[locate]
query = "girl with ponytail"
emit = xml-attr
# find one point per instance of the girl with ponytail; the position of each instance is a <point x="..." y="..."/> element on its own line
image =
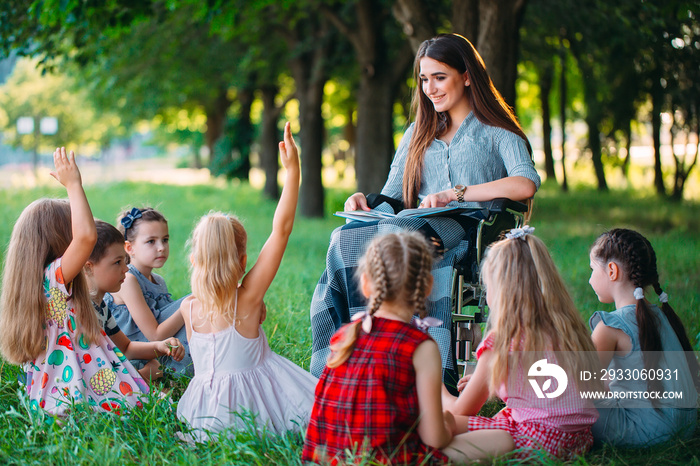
<point x="640" y="338"/>
<point x="379" y="394"/>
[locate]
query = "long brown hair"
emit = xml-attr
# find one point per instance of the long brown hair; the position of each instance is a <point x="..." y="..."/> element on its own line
<point x="637" y="259"/>
<point x="486" y="102"/>
<point x="531" y="308"/>
<point x="398" y="266"/>
<point x="40" y="236"/>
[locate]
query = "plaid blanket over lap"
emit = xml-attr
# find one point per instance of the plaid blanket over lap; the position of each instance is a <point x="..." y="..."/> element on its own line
<point x="337" y="296"/>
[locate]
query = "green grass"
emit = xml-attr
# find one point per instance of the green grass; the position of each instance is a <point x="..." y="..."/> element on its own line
<point x="568" y="223"/>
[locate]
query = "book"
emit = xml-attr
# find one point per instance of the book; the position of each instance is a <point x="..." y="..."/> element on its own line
<point x="374" y="215"/>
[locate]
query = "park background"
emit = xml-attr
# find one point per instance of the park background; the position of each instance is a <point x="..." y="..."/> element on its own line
<point x="179" y="105"/>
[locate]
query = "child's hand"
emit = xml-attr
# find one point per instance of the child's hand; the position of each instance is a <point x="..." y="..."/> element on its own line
<point x="172" y="347"/>
<point x="67" y="172"/>
<point x="289" y="154"/>
<point x="463" y="382"/>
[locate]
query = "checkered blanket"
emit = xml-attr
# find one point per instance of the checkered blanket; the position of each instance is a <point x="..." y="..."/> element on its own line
<point x="337" y="296"/>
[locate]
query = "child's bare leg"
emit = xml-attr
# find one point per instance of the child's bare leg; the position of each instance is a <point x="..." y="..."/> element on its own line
<point x="479" y="444"/>
<point x="151" y="371"/>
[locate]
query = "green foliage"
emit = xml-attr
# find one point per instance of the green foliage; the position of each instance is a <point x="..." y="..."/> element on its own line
<point x="30" y="93"/>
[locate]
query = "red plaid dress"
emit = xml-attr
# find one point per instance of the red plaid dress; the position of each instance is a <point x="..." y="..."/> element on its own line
<point x="369" y="404"/>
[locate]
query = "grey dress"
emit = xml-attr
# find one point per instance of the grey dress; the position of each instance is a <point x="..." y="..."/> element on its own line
<point x="162" y="305"/>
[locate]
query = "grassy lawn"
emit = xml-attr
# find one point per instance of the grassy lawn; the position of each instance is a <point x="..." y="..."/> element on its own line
<point x="568" y="223"/>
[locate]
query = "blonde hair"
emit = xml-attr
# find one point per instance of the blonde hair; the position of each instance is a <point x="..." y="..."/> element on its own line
<point x="530" y="308"/>
<point x="398" y="265"/>
<point x="40" y="236"/>
<point x="218" y="244"/>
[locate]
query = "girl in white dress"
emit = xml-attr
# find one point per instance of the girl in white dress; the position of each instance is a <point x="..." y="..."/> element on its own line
<point x="235" y="369"/>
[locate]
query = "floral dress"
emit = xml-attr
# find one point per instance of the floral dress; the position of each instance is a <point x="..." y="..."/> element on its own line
<point x="70" y="370"/>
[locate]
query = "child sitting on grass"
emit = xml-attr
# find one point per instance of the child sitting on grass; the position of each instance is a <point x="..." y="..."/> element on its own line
<point x="234" y="368"/>
<point x="47" y="319"/>
<point x="639" y="338"/>
<point x="143" y="307"/>
<point x="533" y="328"/>
<point x="106" y="270"/>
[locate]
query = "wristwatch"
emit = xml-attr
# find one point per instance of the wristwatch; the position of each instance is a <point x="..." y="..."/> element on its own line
<point x="459" y="190"/>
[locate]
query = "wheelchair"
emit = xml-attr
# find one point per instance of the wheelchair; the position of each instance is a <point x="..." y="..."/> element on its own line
<point x="468" y="297"/>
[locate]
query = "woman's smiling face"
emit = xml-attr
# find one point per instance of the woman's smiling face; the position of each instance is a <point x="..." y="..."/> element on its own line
<point x="444" y="85"/>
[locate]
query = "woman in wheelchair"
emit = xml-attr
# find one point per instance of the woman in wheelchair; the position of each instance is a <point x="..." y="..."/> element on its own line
<point x="465" y="147"/>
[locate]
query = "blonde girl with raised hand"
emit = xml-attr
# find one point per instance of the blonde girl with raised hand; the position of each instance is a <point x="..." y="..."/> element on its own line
<point x="236" y="372"/>
<point x="379" y="394"/>
<point x="533" y="326"/>
<point x="49" y="325"/>
<point x="643" y="347"/>
<point x="143" y="308"/>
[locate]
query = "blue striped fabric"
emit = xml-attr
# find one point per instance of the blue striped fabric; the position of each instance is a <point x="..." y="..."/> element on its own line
<point x="477" y="154"/>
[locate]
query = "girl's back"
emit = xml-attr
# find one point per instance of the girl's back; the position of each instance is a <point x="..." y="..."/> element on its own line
<point x="373" y="394"/>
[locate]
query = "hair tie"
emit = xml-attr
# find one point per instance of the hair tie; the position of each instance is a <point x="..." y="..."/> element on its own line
<point x="520" y="232"/>
<point x="366" y="320"/>
<point x="129" y="219"/>
<point x="425" y="324"/>
<point x="639" y="293"/>
<point x="663" y="297"/>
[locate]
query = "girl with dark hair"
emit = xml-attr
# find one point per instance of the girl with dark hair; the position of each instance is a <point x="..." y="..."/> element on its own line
<point x="465" y="147"/>
<point x="639" y="338"/>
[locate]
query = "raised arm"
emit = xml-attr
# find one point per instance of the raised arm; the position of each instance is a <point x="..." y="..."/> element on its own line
<point x="82" y="222"/>
<point x="258" y="280"/>
<point x="131" y="295"/>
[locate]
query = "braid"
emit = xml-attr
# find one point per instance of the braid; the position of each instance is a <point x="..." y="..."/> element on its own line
<point x="378" y="273"/>
<point x="422" y="270"/>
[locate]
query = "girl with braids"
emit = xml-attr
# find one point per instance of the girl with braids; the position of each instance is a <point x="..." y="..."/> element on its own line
<point x="533" y="326"/>
<point x="379" y="394"/>
<point x="464" y="147"/>
<point x="235" y="371"/>
<point x="639" y="337"/>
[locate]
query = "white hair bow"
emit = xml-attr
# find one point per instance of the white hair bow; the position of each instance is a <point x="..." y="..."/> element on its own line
<point x="520" y="232"/>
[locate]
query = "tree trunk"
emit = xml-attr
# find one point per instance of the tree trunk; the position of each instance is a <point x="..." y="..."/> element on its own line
<point x="268" y="144"/>
<point x="379" y="80"/>
<point x="546" y="78"/>
<point x="656" y="107"/>
<point x="308" y="70"/>
<point x="496" y="35"/>
<point x="416" y="20"/>
<point x="244" y="134"/>
<point x="562" y="112"/>
<point x="628" y="150"/>
<point x="216" y="117"/>
<point x="594" y="145"/>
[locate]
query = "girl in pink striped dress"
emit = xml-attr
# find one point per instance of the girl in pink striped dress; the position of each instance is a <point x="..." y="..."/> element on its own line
<point x="536" y="345"/>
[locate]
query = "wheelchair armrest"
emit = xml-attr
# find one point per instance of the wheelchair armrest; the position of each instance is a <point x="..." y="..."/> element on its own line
<point x="374" y="199"/>
<point x="502" y="204"/>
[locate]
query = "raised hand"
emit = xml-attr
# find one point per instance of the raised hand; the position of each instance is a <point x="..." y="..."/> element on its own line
<point x="67" y="172"/>
<point x="289" y="154"/>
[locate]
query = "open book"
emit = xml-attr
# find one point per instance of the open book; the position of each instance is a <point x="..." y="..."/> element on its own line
<point x="374" y="215"/>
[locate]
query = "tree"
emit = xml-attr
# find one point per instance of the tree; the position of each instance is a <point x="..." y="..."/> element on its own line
<point x="383" y="58"/>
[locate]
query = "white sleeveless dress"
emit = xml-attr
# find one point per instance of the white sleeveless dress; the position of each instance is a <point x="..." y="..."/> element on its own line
<point x="235" y="376"/>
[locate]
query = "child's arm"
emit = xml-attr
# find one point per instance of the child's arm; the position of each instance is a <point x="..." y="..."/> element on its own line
<point x="147" y="349"/>
<point x="132" y="296"/>
<point x="608" y="341"/>
<point x="259" y="278"/>
<point x="476" y="391"/>
<point x="82" y="222"/>
<point x="434" y="428"/>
